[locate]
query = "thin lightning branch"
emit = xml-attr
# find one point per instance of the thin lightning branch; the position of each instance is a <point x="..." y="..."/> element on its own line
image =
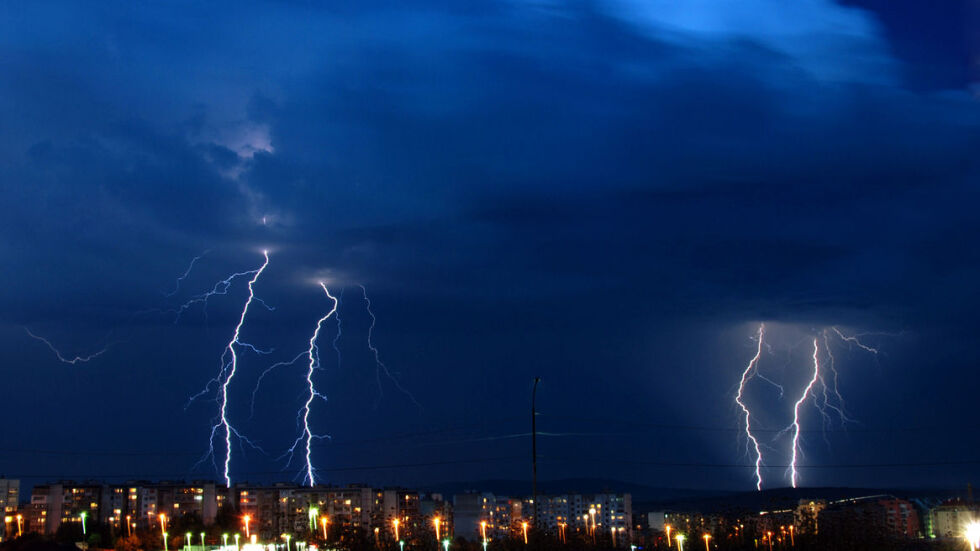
<point x="336" y="338"/>
<point x="268" y="370"/>
<point x="750" y="371"/>
<point x="219" y="288"/>
<point x="61" y="358"/>
<point x="380" y="366"/>
<point x="306" y="436"/>
<point x="186" y="273"/>
<point x="778" y="386"/>
<point x="796" y="411"/>
<point x="229" y="362"/>
<point x="854" y="340"/>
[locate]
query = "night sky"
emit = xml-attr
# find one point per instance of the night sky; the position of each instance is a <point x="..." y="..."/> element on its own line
<point x="608" y="194"/>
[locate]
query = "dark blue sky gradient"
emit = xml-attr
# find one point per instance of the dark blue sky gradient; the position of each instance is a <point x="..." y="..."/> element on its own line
<point x="607" y="194"/>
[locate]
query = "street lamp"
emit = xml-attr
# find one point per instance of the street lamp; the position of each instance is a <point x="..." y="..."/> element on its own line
<point x="324" y="521"/>
<point x="288" y="537"/>
<point x="163" y="522"/>
<point x="769" y="537"/>
<point x="20" y="525"/>
<point x="445" y="544"/>
<point x="188" y="539"/>
<point x="314" y="511"/>
<point x="792" y="539"/>
<point x="83" y="515"/>
<point x="483" y="530"/>
<point x="667" y="527"/>
<point x="973" y="535"/>
<point x="202" y="541"/>
<point x="437" y="521"/>
<point x="165" y="541"/>
<point x="129" y="526"/>
<point x="224" y="542"/>
<point x="524" y="529"/>
<point x="237" y="537"/>
<point x="394" y="523"/>
<point x="401" y="545"/>
<point x="680" y="542"/>
<point x="246" y="519"/>
<point x="377" y="537"/>
<point x="706" y="538"/>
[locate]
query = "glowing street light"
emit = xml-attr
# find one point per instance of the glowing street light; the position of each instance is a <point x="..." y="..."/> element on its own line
<point x="313" y="512"/>
<point x="394" y="524"/>
<point x="437" y="521"/>
<point x="680" y="542"/>
<point x="163" y="523"/>
<point x="973" y="535"/>
<point x="324" y="521"/>
<point x="20" y="525"/>
<point x="287" y="537"/>
<point x="246" y="519"/>
<point x="524" y="529"/>
<point x="237" y="537"/>
<point x="165" y="541"/>
<point x="188" y="539"/>
<point x="667" y="527"/>
<point x="769" y="537"/>
<point x="706" y="537"/>
<point x="445" y="544"/>
<point x="202" y="541"/>
<point x="224" y="542"/>
<point x="83" y="515"/>
<point x="377" y="537"/>
<point x="792" y="539"/>
<point x="483" y="530"/>
<point x="401" y="545"/>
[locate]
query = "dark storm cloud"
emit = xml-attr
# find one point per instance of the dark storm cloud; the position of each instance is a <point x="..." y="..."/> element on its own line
<point x="557" y="186"/>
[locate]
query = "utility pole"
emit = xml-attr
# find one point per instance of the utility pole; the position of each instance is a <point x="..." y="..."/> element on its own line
<point x="534" y="453"/>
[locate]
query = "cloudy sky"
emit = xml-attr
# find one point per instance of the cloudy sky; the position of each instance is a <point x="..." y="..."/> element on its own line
<point x="608" y="194"/>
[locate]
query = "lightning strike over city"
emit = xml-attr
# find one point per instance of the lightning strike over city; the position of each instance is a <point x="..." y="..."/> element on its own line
<point x="229" y="367"/>
<point x="646" y="275"/>
<point x="303" y="416"/>
<point x="750" y="371"/>
<point x="796" y="413"/>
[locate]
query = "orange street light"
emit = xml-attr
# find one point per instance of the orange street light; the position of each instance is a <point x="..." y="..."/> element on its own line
<point x="483" y="530"/>
<point x="667" y="527"/>
<point x="524" y="529"/>
<point x="437" y="521"/>
<point x="324" y="521"/>
<point x="246" y="519"/>
<point x="706" y="538"/>
<point x="792" y="539"/>
<point x="395" y="524"/>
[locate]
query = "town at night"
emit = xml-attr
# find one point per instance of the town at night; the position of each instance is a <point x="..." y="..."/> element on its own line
<point x="490" y="275"/>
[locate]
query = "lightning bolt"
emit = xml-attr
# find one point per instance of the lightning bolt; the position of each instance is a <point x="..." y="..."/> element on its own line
<point x="61" y="358"/>
<point x="380" y="366"/>
<point x="750" y="371"/>
<point x="186" y="273"/>
<point x="795" y="426"/>
<point x="229" y="366"/>
<point x="303" y="416"/>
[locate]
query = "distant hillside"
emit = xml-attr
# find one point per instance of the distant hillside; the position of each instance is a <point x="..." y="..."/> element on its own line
<point x="519" y="488"/>
<point x="775" y="499"/>
<point x="649" y="498"/>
